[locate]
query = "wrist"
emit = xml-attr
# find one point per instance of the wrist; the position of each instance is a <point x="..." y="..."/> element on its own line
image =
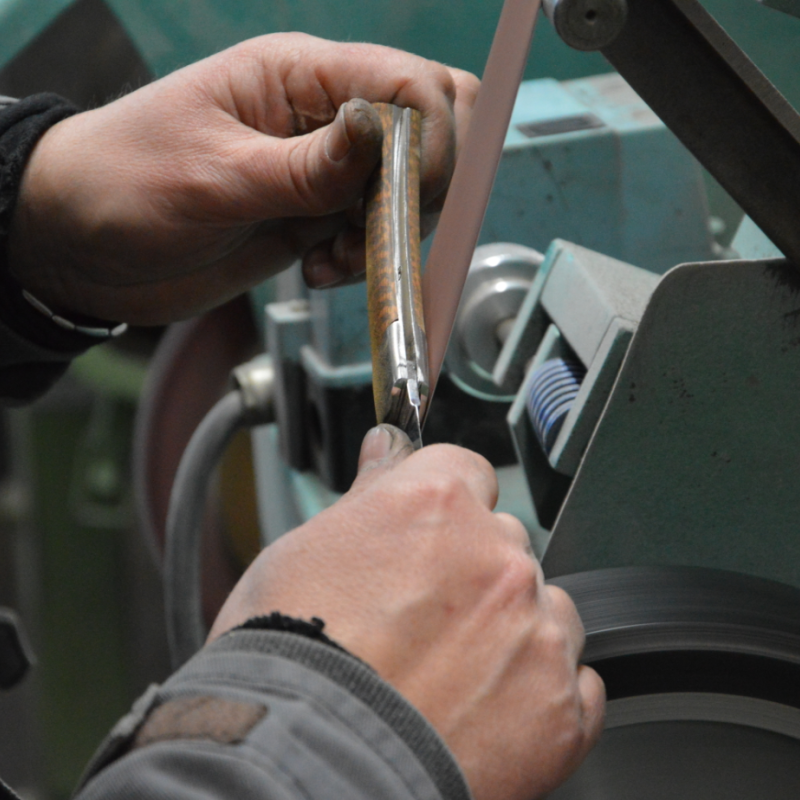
<point x="24" y="125"/>
<point x="275" y="621"/>
<point x="38" y="268"/>
<point x="37" y="258"/>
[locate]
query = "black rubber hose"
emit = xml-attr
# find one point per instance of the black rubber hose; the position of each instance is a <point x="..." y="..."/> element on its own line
<point x="186" y="630"/>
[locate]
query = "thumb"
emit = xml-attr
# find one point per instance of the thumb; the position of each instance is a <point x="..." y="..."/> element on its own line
<point x="383" y="448"/>
<point x="316" y="173"/>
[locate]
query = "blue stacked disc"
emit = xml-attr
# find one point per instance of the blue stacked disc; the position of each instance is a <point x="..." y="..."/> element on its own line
<point x="553" y="390"/>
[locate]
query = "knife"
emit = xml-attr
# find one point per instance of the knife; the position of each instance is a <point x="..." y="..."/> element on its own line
<point x="402" y="306"/>
<point x="394" y="294"/>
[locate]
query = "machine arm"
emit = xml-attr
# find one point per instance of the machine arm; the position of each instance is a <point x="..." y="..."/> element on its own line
<point x="716" y="101"/>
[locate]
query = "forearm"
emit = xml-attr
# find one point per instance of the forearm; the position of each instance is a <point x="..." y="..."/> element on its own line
<point x="298" y="719"/>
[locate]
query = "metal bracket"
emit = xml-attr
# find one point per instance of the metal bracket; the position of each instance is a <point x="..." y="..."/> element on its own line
<point x="716" y="101"/>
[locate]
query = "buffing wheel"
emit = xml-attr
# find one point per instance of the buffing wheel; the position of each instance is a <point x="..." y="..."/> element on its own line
<point x="702" y="670"/>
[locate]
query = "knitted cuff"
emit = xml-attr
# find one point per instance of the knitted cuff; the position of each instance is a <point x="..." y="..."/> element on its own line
<point x="22" y="125"/>
<point x="280" y="622"/>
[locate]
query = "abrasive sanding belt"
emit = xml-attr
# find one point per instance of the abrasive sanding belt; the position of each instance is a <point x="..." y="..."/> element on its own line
<point x="473" y="178"/>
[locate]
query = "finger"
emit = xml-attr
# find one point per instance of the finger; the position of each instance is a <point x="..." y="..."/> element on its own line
<point x="381" y="74"/>
<point x="318" y="173"/>
<point x="319" y="271"/>
<point x="383" y="448"/>
<point x="592" y="693"/>
<point x="271" y="247"/>
<point x="337" y="261"/>
<point x="295" y="83"/>
<point x="331" y="73"/>
<point x="515" y="531"/>
<point x="566" y="614"/>
<point x="342" y="261"/>
<point x="467" y="86"/>
<point x="470" y="468"/>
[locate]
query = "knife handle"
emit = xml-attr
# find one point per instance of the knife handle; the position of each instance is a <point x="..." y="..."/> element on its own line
<point x="392" y="205"/>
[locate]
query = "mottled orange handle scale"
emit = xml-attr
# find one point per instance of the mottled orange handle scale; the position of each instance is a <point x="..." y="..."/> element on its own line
<point x="381" y="286"/>
<point x="380" y="278"/>
<point x="414" y="213"/>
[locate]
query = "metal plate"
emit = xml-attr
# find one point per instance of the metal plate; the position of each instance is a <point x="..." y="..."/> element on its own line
<point x="693" y="460"/>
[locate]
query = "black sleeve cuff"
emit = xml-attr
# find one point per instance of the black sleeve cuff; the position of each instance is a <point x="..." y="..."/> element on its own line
<point x="311" y="629"/>
<point x="22" y="124"/>
<point x="34" y="351"/>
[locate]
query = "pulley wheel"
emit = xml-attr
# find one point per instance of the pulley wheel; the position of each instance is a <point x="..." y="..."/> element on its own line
<point x="702" y="670"/>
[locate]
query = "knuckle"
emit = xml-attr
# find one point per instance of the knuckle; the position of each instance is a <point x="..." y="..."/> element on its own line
<point x="559" y="597"/>
<point x="447" y="82"/>
<point x="466" y="83"/>
<point x="478" y="462"/>
<point x="561" y="601"/>
<point x="520" y="573"/>
<point x="472" y="89"/>
<point x="432" y="76"/>
<point x="514" y="528"/>
<point x="301" y="177"/>
<point x="569" y="736"/>
<point x="440" y="490"/>
<point x="596" y="690"/>
<point x="573" y="738"/>
<point x="554" y="640"/>
<point x="459" y="459"/>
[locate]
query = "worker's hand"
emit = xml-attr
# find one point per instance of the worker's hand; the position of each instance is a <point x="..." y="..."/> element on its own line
<point x="413" y="573"/>
<point x="198" y="186"/>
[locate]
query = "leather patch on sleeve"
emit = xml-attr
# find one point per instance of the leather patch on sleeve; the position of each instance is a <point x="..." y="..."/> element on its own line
<point x="209" y="718"/>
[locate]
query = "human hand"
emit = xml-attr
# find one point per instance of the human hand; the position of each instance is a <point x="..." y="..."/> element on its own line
<point x="413" y="573"/>
<point x="194" y="188"/>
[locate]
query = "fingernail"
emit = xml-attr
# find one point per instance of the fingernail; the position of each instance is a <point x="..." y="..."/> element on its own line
<point x="364" y="124"/>
<point x="381" y="442"/>
<point x="377" y="445"/>
<point x="321" y="276"/>
<point x="318" y="270"/>
<point x="337" y="143"/>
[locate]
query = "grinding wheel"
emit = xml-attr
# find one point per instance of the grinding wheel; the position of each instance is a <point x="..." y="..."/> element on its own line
<point x="702" y="670"/>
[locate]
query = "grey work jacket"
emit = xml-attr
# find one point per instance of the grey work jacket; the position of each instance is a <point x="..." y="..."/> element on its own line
<point x="273" y="715"/>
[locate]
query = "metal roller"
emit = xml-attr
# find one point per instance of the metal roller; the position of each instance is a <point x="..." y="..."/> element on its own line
<point x="702" y="670"/>
<point x="499" y="278"/>
<point x="587" y="24"/>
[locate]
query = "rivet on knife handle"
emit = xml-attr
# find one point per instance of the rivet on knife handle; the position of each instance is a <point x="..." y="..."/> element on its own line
<point x="397" y="333"/>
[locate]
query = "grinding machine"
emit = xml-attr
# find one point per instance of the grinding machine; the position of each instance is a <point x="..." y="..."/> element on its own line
<point x="632" y="381"/>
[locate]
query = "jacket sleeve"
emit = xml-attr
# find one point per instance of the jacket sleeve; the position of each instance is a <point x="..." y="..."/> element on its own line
<point x="273" y="715"/>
